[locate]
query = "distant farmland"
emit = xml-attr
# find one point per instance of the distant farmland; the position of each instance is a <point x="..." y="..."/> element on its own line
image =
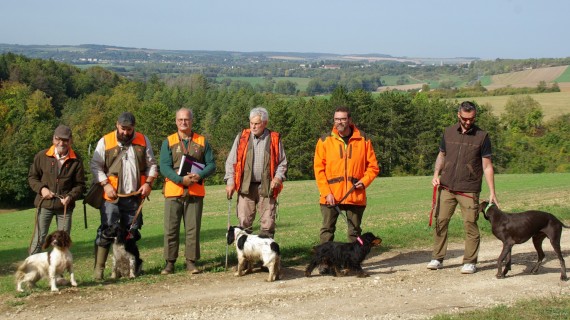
<point x="553" y="104"/>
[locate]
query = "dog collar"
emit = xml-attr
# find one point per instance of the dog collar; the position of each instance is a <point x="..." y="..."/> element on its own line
<point x="488" y="206"/>
<point x="359" y="241"/>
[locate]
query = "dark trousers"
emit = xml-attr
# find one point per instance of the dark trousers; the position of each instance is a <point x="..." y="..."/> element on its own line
<point x="330" y="216"/>
<point x="187" y="209"/>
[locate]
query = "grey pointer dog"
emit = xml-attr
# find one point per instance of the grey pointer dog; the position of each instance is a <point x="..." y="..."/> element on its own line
<point x="517" y="228"/>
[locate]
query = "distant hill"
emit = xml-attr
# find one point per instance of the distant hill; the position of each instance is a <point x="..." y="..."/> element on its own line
<point x="103" y="54"/>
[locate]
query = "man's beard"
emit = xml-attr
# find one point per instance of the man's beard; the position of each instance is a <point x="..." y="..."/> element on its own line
<point x="124" y="137"/>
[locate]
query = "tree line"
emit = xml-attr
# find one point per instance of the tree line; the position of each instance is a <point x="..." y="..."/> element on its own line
<point x="405" y="128"/>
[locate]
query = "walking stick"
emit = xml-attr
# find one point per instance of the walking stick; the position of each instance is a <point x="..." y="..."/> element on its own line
<point x="227" y="228"/>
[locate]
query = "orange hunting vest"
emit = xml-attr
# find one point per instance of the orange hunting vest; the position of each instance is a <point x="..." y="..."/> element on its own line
<point x="196" y="148"/>
<point x="112" y="150"/>
<point x="241" y="158"/>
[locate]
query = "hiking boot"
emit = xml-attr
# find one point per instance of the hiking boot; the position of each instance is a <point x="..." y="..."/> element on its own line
<point x="191" y="267"/>
<point x="101" y="254"/>
<point x="168" y="268"/>
<point x="469" y="268"/>
<point x="435" y="265"/>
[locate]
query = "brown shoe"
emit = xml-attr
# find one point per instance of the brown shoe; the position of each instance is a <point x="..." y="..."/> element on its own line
<point x="191" y="267"/>
<point x="168" y="269"/>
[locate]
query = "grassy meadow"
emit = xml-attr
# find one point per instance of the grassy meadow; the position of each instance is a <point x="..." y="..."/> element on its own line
<point x="397" y="211"/>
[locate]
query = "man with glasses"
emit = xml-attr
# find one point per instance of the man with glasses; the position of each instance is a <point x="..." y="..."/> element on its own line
<point x="345" y="165"/>
<point x="184" y="191"/>
<point x="58" y="178"/>
<point x="464" y="156"/>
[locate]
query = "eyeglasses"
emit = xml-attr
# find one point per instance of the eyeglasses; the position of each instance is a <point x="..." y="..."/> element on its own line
<point x="467" y="119"/>
<point x="340" y="119"/>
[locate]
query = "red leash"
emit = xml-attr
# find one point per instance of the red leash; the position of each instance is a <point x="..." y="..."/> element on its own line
<point x="433" y="203"/>
<point x="434" y="197"/>
<point x="456" y="192"/>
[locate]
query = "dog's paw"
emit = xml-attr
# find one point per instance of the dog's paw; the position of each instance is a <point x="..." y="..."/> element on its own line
<point x="54" y="290"/>
<point x="74" y="284"/>
<point x="564" y="278"/>
<point x="500" y="276"/>
<point x="362" y="275"/>
<point x="237" y="274"/>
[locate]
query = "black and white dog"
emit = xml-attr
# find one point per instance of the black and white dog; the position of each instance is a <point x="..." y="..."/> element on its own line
<point x="48" y="264"/>
<point x="126" y="256"/>
<point x="251" y="248"/>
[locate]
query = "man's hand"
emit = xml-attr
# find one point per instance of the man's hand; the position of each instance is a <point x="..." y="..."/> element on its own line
<point x="46" y="193"/>
<point x="275" y="183"/>
<point x="330" y="199"/>
<point x="359" y="185"/>
<point x="65" y="200"/>
<point x="110" y="191"/>
<point x="230" y="190"/>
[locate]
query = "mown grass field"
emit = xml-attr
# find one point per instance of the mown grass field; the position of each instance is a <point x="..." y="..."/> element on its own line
<point x="553" y="104"/>
<point x="397" y="210"/>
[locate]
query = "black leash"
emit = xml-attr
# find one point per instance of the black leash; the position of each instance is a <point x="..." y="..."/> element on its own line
<point x="337" y="208"/>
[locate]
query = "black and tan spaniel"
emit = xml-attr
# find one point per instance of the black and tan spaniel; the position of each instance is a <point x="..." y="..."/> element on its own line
<point x="341" y="258"/>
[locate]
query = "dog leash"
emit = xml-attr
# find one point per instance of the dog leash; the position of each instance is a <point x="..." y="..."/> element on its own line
<point x="456" y="192"/>
<point x="337" y="208"/>
<point x="433" y="198"/>
<point x="129" y="235"/>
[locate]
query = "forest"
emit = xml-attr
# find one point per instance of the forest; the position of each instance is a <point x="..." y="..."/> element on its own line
<point x="37" y="94"/>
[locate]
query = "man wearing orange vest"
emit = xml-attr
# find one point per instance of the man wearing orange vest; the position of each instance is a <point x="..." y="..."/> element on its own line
<point x="184" y="193"/>
<point x="345" y="165"/>
<point x="124" y="164"/>
<point x="58" y="178"/>
<point x="256" y="168"/>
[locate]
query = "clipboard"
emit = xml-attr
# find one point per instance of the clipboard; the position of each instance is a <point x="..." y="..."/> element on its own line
<point x="189" y="164"/>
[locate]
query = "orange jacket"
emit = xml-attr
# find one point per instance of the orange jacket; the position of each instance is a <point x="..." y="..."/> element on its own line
<point x="172" y="189"/>
<point x="338" y="166"/>
<point x="112" y="150"/>
<point x="241" y="156"/>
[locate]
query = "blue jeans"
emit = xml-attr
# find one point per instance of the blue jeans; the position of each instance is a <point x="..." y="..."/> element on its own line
<point x="44" y="220"/>
<point x="122" y="212"/>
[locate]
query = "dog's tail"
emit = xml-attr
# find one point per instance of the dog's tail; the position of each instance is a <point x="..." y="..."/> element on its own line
<point x="275" y="248"/>
<point x="20" y="272"/>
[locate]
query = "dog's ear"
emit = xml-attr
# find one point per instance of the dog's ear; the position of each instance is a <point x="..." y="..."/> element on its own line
<point x="47" y="242"/>
<point x="66" y="239"/>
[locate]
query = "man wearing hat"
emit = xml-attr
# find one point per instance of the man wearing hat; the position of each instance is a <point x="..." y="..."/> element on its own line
<point x="124" y="164"/>
<point x="58" y="178"/>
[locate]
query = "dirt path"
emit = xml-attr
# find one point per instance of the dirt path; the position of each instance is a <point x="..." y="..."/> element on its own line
<point x="400" y="287"/>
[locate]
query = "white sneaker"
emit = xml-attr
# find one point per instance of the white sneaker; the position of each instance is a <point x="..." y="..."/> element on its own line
<point x="435" y="265"/>
<point x="468" y="268"/>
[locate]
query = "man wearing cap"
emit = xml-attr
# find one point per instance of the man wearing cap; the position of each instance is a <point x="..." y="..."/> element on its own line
<point x="58" y="178"/>
<point x="124" y="164"/>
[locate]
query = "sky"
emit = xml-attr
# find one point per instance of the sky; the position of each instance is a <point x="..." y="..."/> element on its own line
<point x="486" y="29"/>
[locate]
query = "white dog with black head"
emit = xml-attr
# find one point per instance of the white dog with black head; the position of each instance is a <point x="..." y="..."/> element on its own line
<point x="252" y="248"/>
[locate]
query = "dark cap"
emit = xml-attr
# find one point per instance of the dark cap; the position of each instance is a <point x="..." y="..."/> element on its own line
<point x="63" y="132"/>
<point x="126" y="119"/>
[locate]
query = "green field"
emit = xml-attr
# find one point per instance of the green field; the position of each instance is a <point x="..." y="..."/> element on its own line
<point x="553" y="104"/>
<point x="564" y="77"/>
<point x="397" y="210"/>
